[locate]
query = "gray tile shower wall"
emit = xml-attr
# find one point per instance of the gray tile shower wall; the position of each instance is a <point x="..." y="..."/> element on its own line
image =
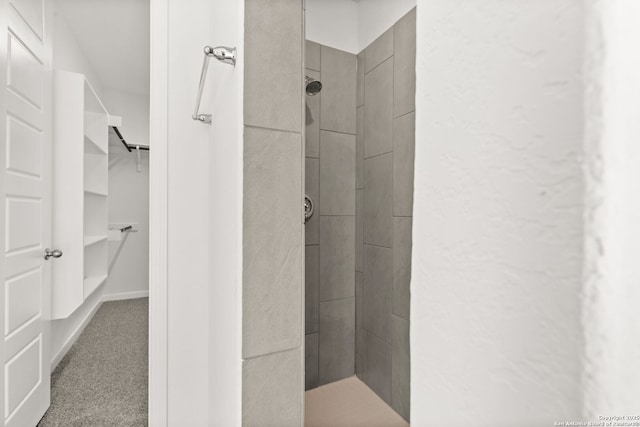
<point x="386" y="127"/>
<point x="336" y="339"/>
<point x="331" y="150"/>
<point x="337" y="257"/>
<point x="338" y="96"/>
<point x="272" y="345"/>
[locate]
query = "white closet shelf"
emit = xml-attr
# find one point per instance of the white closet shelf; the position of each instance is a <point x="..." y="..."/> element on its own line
<point x="94" y="189"/>
<point x="91" y="240"/>
<point x="91" y="147"/>
<point x="95" y="193"/>
<point x="91" y="283"/>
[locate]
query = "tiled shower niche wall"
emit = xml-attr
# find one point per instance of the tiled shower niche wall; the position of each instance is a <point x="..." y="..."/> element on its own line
<point x="360" y="139"/>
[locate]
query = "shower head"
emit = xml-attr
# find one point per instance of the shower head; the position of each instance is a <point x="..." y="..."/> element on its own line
<point x="313" y="86"/>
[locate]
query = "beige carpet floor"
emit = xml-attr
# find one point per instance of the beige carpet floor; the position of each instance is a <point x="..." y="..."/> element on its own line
<point x="102" y="380"/>
<point x="351" y="403"/>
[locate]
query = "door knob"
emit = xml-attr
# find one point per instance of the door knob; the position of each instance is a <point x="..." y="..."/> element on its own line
<point x="48" y="253"/>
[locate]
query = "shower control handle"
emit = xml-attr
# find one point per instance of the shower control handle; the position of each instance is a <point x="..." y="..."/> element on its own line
<point x="55" y="253"/>
<point x="308" y="208"/>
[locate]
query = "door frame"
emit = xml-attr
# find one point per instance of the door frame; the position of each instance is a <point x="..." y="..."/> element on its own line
<point x="158" y="208"/>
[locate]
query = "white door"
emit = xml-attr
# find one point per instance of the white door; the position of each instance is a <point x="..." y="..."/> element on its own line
<point x="25" y="187"/>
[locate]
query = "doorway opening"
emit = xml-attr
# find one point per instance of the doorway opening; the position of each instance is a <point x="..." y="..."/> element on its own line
<point x="99" y="342"/>
<point x="359" y="179"/>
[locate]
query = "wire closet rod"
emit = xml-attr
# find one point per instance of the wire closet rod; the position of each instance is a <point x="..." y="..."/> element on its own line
<point x="126" y="145"/>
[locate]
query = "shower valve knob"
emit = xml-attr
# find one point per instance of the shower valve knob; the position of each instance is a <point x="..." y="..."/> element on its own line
<point x="308" y="208"/>
<point x="55" y="253"/>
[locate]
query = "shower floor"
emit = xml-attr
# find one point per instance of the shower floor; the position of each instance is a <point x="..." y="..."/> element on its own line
<point x="348" y="402"/>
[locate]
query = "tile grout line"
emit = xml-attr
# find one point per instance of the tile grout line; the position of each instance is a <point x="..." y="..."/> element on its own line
<point x="271" y="353"/>
<point x="273" y="129"/>
<point x="380" y="154"/>
<point x="337" y="131"/>
<point x="337" y="299"/>
<point x="377" y="246"/>
<point x="377" y="65"/>
<point x="319" y="135"/>
<point x="403" y="114"/>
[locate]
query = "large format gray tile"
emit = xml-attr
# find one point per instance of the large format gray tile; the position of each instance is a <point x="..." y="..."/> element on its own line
<point x="312" y="55"/>
<point x="377" y="366"/>
<point x="312" y="189"/>
<point x="272" y="64"/>
<point x="338" y="104"/>
<point x="272" y="242"/>
<point x="312" y="121"/>
<point x="378" y="200"/>
<point x="360" y="147"/>
<point x="337" y="174"/>
<point x="359" y="313"/>
<point x="360" y="79"/>
<point x="403" y="161"/>
<point x="337" y="257"/>
<point x="401" y="266"/>
<point x="378" y="110"/>
<point x="337" y="340"/>
<point x="378" y="276"/>
<point x="311" y="361"/>
<point x="400" y="366"/>
<point x="359" y="230"/>
<point x="272" y="390"/>
<point x="379" y="50"/>
<point x="311" y="281"/>
<point x="404" y="63"/>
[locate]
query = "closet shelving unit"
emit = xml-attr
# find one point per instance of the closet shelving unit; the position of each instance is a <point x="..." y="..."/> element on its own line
<point x="80" y="192"/>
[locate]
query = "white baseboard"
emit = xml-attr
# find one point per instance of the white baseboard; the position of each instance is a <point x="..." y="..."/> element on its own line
<point x="76" y="333"/>
<point x="125" y="295"/>
<point x="74" y="336"/>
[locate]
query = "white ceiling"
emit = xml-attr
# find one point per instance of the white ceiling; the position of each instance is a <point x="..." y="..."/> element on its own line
<point x="351" y="25"/>
<point x="114" y="36"/>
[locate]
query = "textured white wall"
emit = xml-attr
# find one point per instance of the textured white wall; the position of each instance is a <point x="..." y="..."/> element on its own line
<point x="611" y="298"/>
<point x="497" y="240"/>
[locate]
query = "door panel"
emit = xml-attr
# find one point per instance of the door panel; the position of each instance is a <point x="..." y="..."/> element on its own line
<point x="23" y="223"/>
<point x="26" y="72"/>
<point x="24" y="148"/>
<point x="32" y="14"/>
<point x="22" y="300"/>
<point x="22" y="376"/>
<point x="26" y="220"/>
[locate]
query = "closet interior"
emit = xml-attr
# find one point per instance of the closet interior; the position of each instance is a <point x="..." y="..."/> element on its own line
<point x="100" y="212"/>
